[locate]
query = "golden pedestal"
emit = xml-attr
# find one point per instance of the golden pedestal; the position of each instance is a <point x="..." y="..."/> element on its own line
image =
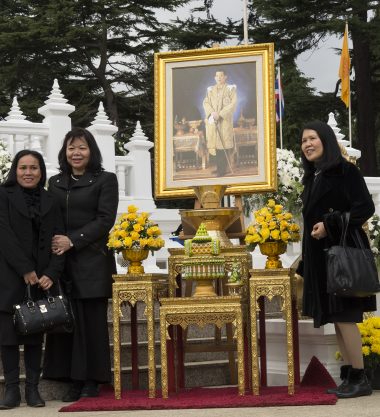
<point x="217" y="220"/>
<point x="270" y="283"/>
<point x="201" y="311"/>
<point x="130" y="289"/>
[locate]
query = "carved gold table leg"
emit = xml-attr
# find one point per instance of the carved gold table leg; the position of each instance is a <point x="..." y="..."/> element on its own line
<point x="151" y="359"/>
<point x="240" y="351"/>
<point x="164" y="356"/>
<point x="289" y="336"/>
<point x="116" y="343"/>
<point x="254" y="354"/>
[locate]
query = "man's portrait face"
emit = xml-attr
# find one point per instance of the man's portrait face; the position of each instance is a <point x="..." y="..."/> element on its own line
<point x="220" y="78"/>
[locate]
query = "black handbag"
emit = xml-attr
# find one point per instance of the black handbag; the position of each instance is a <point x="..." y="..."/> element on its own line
<point x="49" y="313"/>
<point x="351" y="271"/>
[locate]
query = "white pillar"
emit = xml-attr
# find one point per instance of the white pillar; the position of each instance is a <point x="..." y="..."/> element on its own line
<point x="56" y="111"/>
<point x="102" y="129"/>
<point x="17" y="119"/>
<point x="140" y="174"/>
<point x="352" y="152"/>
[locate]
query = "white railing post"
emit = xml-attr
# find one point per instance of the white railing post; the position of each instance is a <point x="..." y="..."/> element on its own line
<point x="56" y="111"/>
<point x="140" y="179"/>
<point x="102" y="129"/>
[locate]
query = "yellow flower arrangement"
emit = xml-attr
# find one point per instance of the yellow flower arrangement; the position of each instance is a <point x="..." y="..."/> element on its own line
<point x="272" y="224"/>
<point x="134" y="230"/>
<point x="370" y="334"/>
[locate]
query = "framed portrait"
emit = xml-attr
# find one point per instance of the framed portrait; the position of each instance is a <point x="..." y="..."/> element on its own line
<point x="215" y="120"/>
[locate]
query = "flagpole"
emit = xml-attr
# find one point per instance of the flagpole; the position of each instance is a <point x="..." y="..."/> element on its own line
<point x="280" y="101"/>
<point x="349" y="120"/>
<point x="245" y="21"/>
<point x="349" y="99"/>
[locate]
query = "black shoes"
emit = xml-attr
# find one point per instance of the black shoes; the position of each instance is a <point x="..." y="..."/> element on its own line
<point x="80" y="389"/>
<point x="32" y="396"/>
<point x="74" y="392"/>
<point x="357" y="385"/>
<point x="344" y="377"/>
<point x="90" y="389"/>
<point x="12" y="397"/>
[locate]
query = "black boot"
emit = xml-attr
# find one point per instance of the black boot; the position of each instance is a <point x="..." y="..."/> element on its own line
<point x="357" y="386"/>
<point x="343" y="376"/>
<point x="74" y="392"/>
<point x="90" y="389"/>
<point x="12" y="396"/>
<point x="32" y="396"/>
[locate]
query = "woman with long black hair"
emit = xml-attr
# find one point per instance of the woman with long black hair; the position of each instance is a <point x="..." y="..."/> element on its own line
<point x="333" y="186"/>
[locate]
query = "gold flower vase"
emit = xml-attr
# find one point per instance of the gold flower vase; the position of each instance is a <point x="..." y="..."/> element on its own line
<point x="273" y="250"/>
<point x="135" y="258"/>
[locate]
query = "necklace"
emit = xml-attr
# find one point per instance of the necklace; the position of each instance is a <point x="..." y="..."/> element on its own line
<point x="75" y="179"/>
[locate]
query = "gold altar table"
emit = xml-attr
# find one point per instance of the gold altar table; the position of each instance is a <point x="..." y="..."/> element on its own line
<point x="270" y="283"/>
<point x="231" y="255"/>
<point x="131" y="288"/>
<point x="201" y="311"/>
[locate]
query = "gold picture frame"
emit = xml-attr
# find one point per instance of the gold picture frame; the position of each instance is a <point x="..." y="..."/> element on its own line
<point x="215" y="120"/>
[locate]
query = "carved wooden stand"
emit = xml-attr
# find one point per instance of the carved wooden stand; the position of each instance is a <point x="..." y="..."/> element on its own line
<point x="130" y="289"/>
<point x="269" y="283"/>
<point x="201" y="311"/>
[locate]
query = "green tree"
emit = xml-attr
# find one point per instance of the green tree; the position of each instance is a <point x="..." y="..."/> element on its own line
<point x="98" y="50"/>
<point x="298" y="26"/>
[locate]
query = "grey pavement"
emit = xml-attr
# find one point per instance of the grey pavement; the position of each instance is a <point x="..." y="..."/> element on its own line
<point x="355" y="407"/>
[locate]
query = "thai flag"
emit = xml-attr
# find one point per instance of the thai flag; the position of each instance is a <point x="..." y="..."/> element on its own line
<point x="279" y="98"/>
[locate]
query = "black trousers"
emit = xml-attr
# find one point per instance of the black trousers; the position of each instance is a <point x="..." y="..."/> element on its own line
<point x="10" y="357"/>
<point x="85" y="354"/>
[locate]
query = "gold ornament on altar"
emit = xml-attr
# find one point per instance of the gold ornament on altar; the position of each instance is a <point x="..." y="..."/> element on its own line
<point x="134" y="234"/>
<point x="234" y="282"/>
<point x="272" y="229"/>
<point x="204" y="264"/>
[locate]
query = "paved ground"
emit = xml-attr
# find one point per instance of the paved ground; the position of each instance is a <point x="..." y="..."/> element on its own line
<point x="356" y="407"/>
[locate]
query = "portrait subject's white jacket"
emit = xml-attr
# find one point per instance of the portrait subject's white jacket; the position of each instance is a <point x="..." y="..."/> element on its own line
<point x="219" y="133"/>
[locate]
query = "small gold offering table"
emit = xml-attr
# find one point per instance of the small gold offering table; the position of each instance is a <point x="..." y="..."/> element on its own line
<point x="201" y="311"/>
<point x="234" y="254"/>
<point x="130" y="288"/>
<point x="270" y="283"/>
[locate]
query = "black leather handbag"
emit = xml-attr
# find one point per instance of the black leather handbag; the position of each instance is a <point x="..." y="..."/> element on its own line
<point x="351" y="271"/>
<point x="49" y="313"/>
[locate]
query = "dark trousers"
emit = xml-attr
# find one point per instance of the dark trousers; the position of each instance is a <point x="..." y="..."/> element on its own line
<point x="10" y="356"/>
<point x="85" y="354"/>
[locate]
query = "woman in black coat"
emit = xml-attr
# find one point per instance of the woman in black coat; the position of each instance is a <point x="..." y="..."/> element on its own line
<point x="29" y="218"/>
<point x="332" y="186"/>
<point x="88" y="197"/>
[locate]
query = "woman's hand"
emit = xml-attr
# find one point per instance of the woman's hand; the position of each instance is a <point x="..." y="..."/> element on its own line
<point x="45" y="282"/>
<point x="31" y="278"/>
<point x="60" y="244"/>
<point x="319" y="231"/>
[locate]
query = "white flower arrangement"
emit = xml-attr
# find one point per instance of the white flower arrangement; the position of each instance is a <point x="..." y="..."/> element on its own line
<point x="5" y="161"/>
<point x="289" y="180"/>
<point x="374" y="234"/>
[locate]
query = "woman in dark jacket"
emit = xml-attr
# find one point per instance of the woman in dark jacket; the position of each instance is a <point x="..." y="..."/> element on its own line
<point x="29" y="218"/>
<point x="333" y="186"/>
<point x="88" y="197"/>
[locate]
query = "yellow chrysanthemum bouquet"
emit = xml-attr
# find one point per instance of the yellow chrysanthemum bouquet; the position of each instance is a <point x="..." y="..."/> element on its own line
<point x="134" y="230"/>
<point x="272" y="224"/>
<point x="370" y="334"/>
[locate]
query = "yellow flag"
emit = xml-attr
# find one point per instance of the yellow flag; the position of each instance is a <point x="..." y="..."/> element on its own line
<point x="344" y="70"/>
